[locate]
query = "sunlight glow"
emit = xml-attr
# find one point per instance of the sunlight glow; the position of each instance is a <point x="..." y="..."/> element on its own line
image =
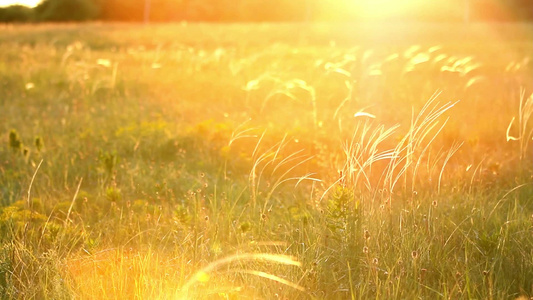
<point x="386" y="8"/>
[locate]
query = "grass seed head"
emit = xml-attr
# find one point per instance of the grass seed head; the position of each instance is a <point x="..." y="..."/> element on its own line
<point x="14" y="140"/>
<point x="39" y="144"/>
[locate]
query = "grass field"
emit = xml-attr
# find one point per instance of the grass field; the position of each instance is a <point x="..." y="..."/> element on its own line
<point x="291" y="161"/>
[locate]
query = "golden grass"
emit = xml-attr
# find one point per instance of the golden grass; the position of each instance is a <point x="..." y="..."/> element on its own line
<point x="265" y="161"/>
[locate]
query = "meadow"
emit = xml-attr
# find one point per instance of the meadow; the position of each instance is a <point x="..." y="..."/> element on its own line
<point x="266" y="161"/>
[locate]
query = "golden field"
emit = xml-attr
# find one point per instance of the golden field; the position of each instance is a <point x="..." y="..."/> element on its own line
<point x="251" y="161"/>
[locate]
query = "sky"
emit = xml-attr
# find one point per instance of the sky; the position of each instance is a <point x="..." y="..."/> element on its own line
<point x="30" y="3"/>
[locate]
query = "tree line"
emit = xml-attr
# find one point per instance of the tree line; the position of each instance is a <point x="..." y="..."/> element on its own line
<point x="258" y="11"/>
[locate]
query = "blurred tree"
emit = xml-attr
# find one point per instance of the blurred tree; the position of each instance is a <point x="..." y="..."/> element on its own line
<point x="165" y="10"/>
<point x="121" y="10"/>
<point x="501" y="10"/>
<point x="523" y="9"/>
<point x="66" y="10"/>
<point x="276" y="10"/>
<point x="134" y="10"/>
<point x="16" y="13"/>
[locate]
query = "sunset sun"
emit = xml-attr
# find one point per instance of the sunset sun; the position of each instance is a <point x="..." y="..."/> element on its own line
<point x="386" y="8"/>
<point x="391" y="10"/>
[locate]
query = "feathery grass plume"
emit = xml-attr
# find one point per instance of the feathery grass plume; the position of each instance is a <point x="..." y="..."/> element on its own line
<point x="67" y="218"/>
<point x="241" y="132"/>
<point x="106" y="82"/>
<point x="454" y="148"/>
<point x="273" y="159"/>
<point x="348" y="98"/>
<point x="288" y="88"/>
<point x="256" y="83"/>
<point x="205" y="274"/>
<point x="525" y="131"/>
<point x="362" y="152"/>
<point x="29" y="203"/>
<point x="412" y="148"/>
<point x="253" y="178"/>
<point x="401" y="162"/>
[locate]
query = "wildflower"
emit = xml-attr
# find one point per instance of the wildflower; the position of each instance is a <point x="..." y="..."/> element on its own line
<point x="365" y="250"/>
<point x="414" y="255"/>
